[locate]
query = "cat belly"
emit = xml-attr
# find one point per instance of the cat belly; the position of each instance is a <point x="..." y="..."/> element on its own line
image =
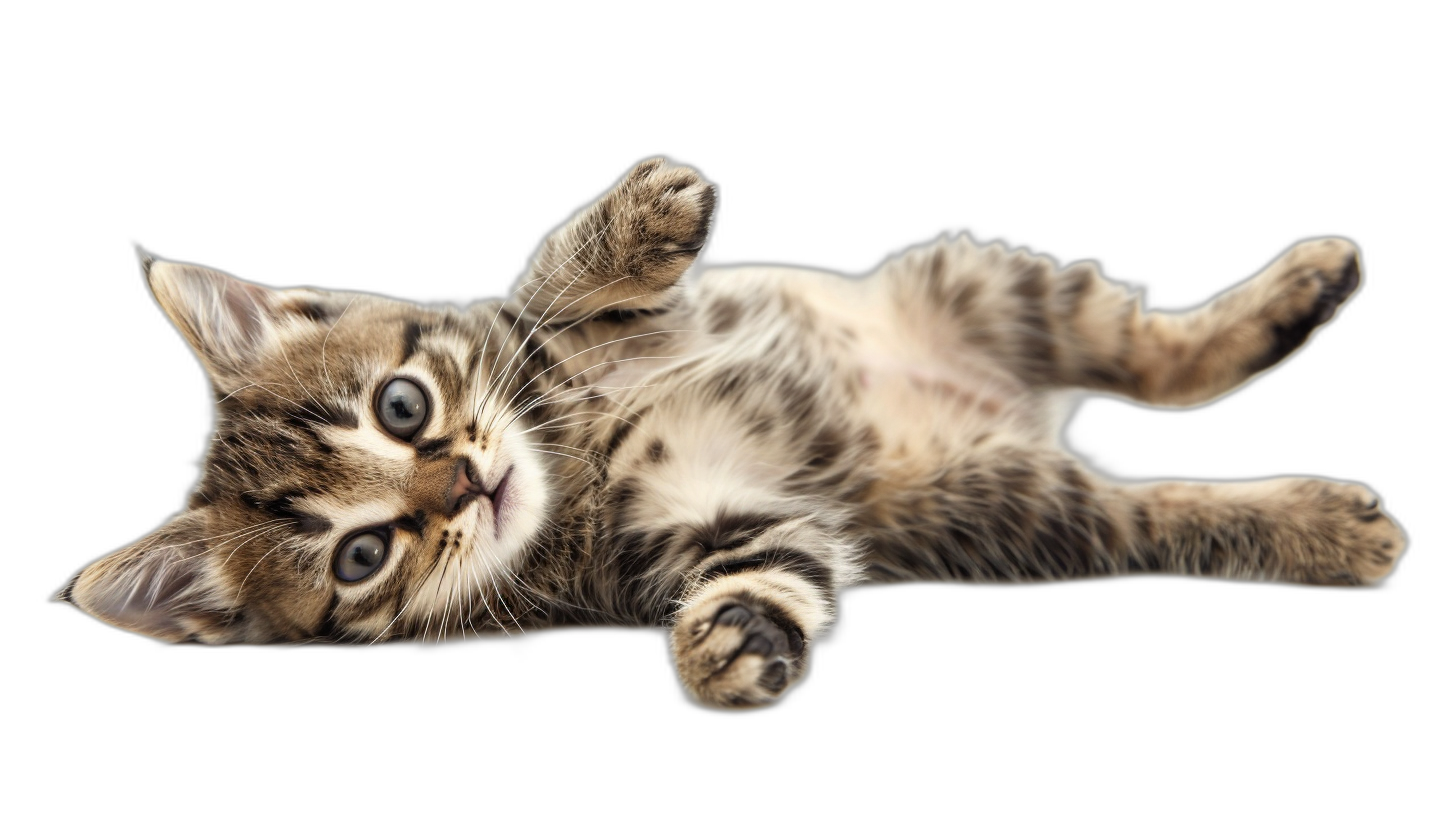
<point x="913" y="374"/>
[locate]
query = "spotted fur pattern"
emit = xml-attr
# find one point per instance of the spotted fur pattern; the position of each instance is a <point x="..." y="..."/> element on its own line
<point x="718" y="454"/>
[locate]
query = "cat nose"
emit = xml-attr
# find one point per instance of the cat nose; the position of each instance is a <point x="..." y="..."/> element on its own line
<point x="465" y="490"/>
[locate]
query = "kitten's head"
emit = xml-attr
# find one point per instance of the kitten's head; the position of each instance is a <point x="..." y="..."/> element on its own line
<point x="364" y="474"/>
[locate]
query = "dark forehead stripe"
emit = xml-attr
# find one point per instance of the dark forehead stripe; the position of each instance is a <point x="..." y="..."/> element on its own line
<point x="443" y="366"/>
<point x="412" y="332"/>
<point x="446" y="370"/>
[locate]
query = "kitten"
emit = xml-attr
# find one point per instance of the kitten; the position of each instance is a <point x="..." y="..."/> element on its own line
<point x="720" y="456"/>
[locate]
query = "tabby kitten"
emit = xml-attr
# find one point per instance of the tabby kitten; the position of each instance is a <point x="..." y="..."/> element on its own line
<point x="611" y="444"/>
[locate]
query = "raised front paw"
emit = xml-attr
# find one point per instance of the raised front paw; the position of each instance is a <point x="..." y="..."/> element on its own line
<point x="1304" y="287"/>
<point x="1347" y="537"/>
<point x="657" y="220"/>
<point x="737" y="652"/>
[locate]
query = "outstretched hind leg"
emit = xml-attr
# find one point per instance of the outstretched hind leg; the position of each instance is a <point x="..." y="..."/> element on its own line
<point x="1016" y="514"/>
<point x="1073" y="327"/>
<point x="1308" y="531"/>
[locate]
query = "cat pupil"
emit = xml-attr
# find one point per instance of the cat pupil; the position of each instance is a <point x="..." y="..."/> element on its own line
<point x="401" y="410"/>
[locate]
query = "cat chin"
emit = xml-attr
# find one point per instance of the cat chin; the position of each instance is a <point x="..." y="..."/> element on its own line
<point x="507" y="524"/>
<point x="523" y="499"/>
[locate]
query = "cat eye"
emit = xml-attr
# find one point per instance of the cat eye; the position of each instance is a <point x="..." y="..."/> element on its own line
<point x="402" y="407"/>
<point x="360" y="556"/>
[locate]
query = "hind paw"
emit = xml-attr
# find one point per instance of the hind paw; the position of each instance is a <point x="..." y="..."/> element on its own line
<point x="1304" y="288"/>
<point x="1347" y="537"/>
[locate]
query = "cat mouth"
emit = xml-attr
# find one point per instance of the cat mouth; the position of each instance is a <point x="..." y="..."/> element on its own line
<point x="500" y="498"/>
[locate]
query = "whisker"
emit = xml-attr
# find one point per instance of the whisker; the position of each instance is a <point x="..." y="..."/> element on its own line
<point x="263" y="386"/>
<point x="594" y="348"/>
<point x="435" y="596"/>
<point x="600" y="393"/>
<point x="500" y="596"/>
<point x="244" y="582"/>
<point x="227" y="535"/>
<point x="548" y="341"/>
<point x="547" y="392"/>
<point x="454" y="585"/>
<point x="542" y="425"/>
<point x="257" y="534"/>
<point x="488" y="609"/>
<point x="324" y="351"/>
<point x="525" y="342"/>
<point x="414" y="593"/>
<point x="490" y="330"/>
<point x="542" y="285"/>
<point x="282" y="349"/>
<point x="567" y="455"/>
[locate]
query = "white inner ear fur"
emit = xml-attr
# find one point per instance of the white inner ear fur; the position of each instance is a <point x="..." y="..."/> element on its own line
<point x="227" y="320"/>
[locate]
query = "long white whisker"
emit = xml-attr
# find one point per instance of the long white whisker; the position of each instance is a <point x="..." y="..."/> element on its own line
<point x="591" y="349"/>
<point x="548" y="391"/>
<point x="600" y="392"/>
<point x="504" y="378"/>
<point x="435" y="596"/>
<point x="500" y="596"/>
<point x="590" y="315"/>
<point x="228" y="535"/>
<point x="324" y="350"/>
<point x="484" y="599"/>
<point x="553" y="427"/>
<point x="308" y="394"/>
<point x="414" y="593"/>
<point x="489" y="331"/>
<point x="567" y="455"/>
<point x="448" y="595"/>
<point x="568" y="447"/>
<point x="258" y="533"/>
<point x="244" y="582"/>
<point x="263" y="386"/>
<point x="546" y="279"/>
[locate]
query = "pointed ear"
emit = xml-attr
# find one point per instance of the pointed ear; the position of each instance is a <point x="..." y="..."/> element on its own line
<point x="162" y="586"/>
<point x="229" y="322"/>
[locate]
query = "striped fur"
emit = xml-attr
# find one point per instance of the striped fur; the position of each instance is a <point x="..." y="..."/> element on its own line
<point x="717" y="454"/>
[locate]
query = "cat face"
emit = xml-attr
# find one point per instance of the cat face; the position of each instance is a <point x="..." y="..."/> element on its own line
<point x="371" y="473"/>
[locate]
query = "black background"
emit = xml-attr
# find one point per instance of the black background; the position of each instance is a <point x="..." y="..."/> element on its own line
<point x="1183" y="177"/>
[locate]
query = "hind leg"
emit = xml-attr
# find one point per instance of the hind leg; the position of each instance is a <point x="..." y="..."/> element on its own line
<point x="1303" y="530"/>
<point x="1008" y="513"/>
<point x="1073" y="327"/>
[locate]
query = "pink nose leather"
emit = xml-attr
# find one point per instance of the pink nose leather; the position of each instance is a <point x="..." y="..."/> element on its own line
<point x="463" y="491"/>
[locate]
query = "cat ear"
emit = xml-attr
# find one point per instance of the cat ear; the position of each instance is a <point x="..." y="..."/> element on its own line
<point x="162" y="586"/>
<point x="229" y="322"/>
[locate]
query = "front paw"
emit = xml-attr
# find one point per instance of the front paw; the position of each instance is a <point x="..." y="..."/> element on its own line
<point x="737" y="651"/>
<point x="658" y="219"/>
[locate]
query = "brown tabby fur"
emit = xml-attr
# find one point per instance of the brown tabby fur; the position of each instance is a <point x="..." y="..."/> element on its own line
<point x="719" y="456"/>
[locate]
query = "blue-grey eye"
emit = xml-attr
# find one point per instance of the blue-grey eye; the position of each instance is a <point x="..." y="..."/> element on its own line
<point x="402" y="407"/>
<point x="360" y="556"/>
